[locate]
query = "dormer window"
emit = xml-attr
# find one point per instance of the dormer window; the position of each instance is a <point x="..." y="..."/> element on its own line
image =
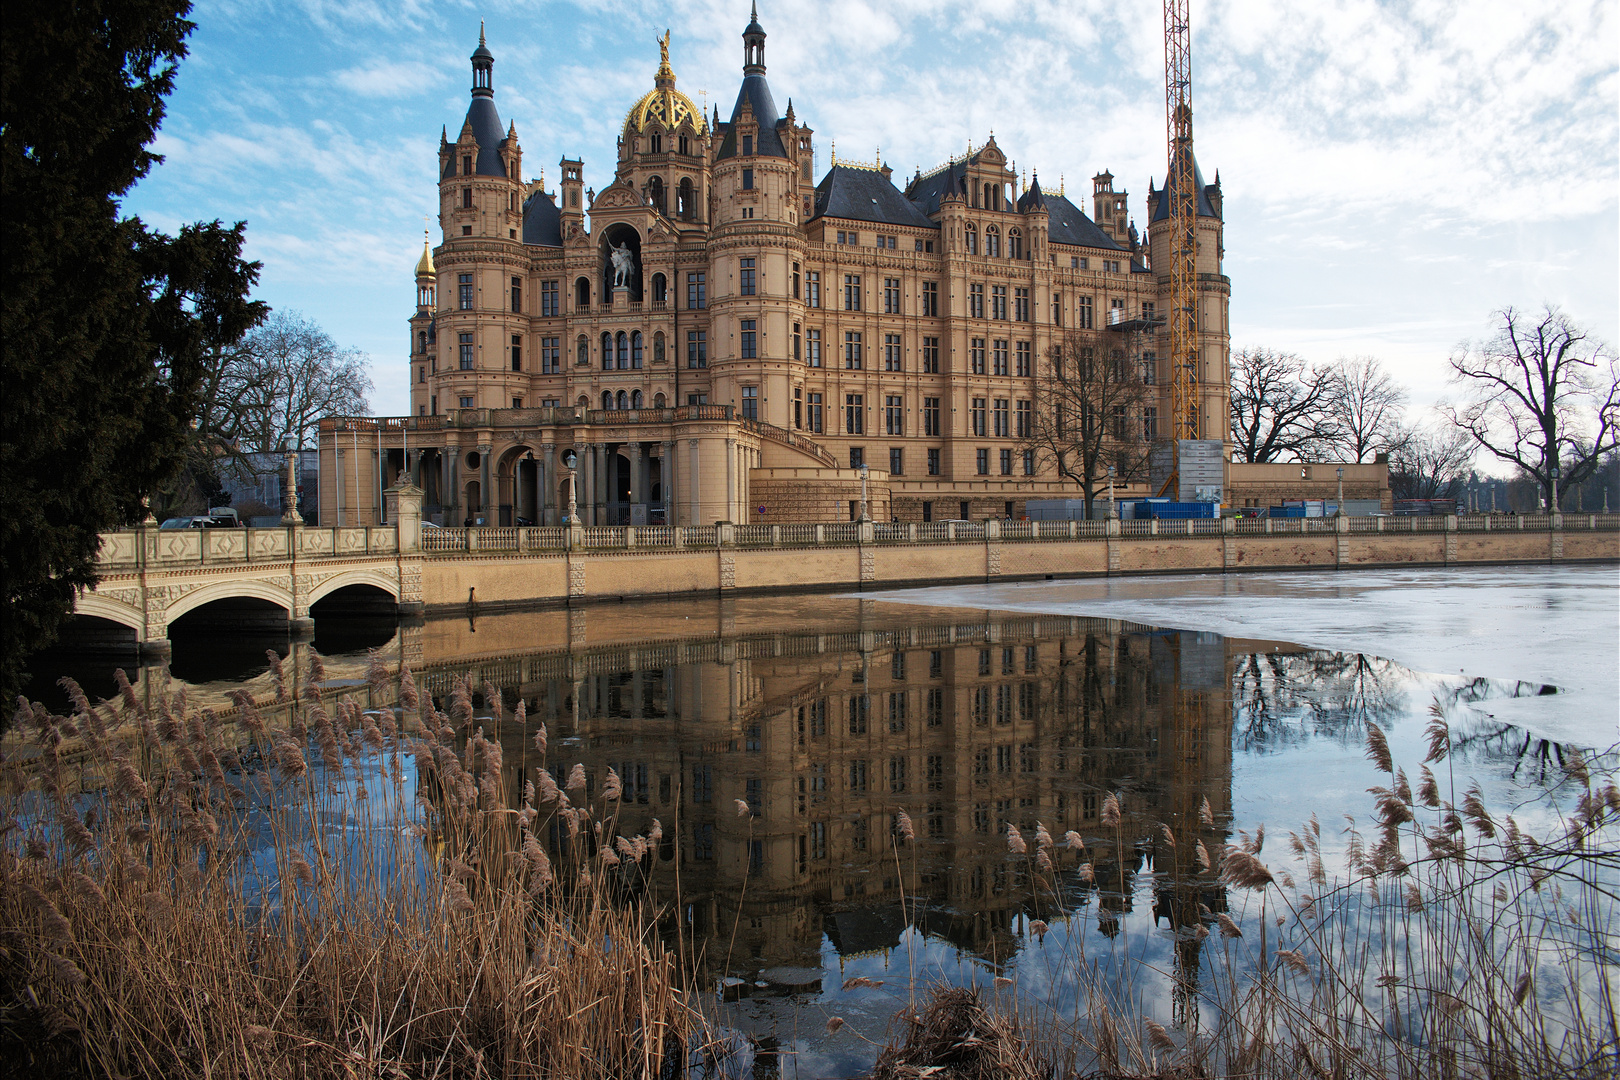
<point x="747" y="145"/>
<point x="466" y="164"/>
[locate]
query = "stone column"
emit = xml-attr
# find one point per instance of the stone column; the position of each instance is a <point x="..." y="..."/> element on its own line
<point x="485" y="503"/>
<point x="451" y="497"/>
<point x="666" y="479"/>
<point x="587" y="473"/>
<point x="548" y="485"/>
<point x="638" y="490"/>
<point x="694" y="484"/>
<point x="731" y="480"/>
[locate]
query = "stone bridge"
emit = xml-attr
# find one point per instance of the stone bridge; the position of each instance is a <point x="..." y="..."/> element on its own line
<point x="150" y="577"/>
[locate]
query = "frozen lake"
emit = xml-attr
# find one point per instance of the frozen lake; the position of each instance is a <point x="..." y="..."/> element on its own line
<point x="1550" y="625"/>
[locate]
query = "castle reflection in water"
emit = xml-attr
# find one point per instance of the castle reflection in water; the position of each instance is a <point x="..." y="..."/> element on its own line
<point x="967" y="721"/>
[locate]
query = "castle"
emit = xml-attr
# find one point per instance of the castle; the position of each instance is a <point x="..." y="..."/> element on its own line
<point x="719" y="335"/>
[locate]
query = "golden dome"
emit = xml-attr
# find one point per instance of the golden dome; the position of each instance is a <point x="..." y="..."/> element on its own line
<point x="664" y="106"/>
<point x="424" y="265"/>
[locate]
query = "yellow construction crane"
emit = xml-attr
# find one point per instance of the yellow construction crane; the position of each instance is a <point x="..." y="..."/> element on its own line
<point x="1183" y="216"/>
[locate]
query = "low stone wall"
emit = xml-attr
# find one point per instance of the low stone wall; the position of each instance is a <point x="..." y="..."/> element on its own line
<point x="559" y="576"/>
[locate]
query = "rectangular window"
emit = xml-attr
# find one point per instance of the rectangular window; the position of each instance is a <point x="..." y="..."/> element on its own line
<point x="465" y="289"/>
<point x="998" y="301"/>
<point x="1150" y="423"/>
<point x="745" y="278"/>
<point x="812" y="347"/>
<point x="1029" y="463"/>
<point x="550" y="355"/>
<point x="933" y="470"/>
<point x="930" y="410"/>
<point x="930" y="355"/>
<point x="697" y="348"/>
<point x="1006" y="463"/>
<point x="697" y="399"/>
<point x="854" y="415"/>
<point x="696" y="292"/>
<point x="517" y="403"/>
<point x="813" y="408"/>
<point x="517" y="295"/>
<point x="749" y="336"/>
<point x="1057" y="309"/>
<point x="517" y="352"/>
<point x="1150" y="369"/>
<point x="998" y="357"/>
<point x="1021" y="305"/>
<point x="975" y="301"/>
<point x="1025" y="367"/>
<point x="747" y="148"/>
<point x="1002" y="419"/>
<point x="892" y="360"/>
<point x="1026" y="420"/>
<point x="894" y="415"/>
<point x="976" y="415"/>
<point x="703" y="842"/>
<point x="852" y="350"/>
<point x="1082" y="313"/>
<point x="812" y="288"/>
<point x="897" y="775"/>
<point x="897" y="461"/>
<point x="891" y="296"/>
<point x="852" y="292"/>
<point x="857" y="784"/>
<point x="550" y="299"/>
<point x="976" y="356"/>
<point x="750" y="402"/>
<point x="466" y="199"/>
<point x="748" y="174"/>
<point x="795" y="281"/>
<point x="466" y="402"/>
<point x="930" y="299"/>
<point x="466" y="343"/>
<point x="982" y="461"/>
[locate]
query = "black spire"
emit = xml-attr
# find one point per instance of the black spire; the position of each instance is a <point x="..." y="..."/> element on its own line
<point x="754" y="45"/>
<point x="483" y="63"/>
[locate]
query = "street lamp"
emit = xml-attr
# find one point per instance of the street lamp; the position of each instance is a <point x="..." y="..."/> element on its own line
<point x="865" y="470"/>
<point x="1553" y="508"/>
<point x="569" y="460"/>
<point x="1338" y="511"/>
<point x="1111" y="508"/>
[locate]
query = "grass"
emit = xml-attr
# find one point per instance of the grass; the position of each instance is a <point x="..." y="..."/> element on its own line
<point x="188" y="895"/>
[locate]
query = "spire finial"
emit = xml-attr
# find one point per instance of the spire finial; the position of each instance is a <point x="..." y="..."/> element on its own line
<point x="480" y="31"/>
<point x="753" y="11"/>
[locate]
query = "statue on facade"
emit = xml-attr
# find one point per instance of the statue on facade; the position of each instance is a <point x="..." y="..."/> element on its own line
<point x="624" y="265"/>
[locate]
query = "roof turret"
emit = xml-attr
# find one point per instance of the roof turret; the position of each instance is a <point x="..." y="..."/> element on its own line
<point x="663" y="106"/>
<point x="424" y="265"/>
<point x="756" y="94"/>
<point x="482" y="117"/>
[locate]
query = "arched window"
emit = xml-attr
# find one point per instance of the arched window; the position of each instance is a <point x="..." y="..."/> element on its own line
<point x="970" y="240"/>
<point x="622" y="401"/>
<point x="658" y="401"/>
<point x="656" y="146"/>
<point x="655" y="188"/>
<point x="992" y="242"/>
<point x="1015" y="244"/>
<point x="624" y="351"/>
<point x="658" y="347"/>
<point x="607" y="399"/>
<point x="607" y="351"/>
<point x="582" y="351"/>
<point x="421" y="342"/>
<point x="635" y="399"/>
<point x="583" y="402"/>
<point x="686" y="200"/>
<point x="582" y="294"/>
<point x="660" y="289"/>
<point x="635" y="350"/>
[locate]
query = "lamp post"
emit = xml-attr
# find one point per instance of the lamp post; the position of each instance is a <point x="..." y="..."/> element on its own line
<point x="1553" y="506"/>
<point x="1338" y="511"/>
<point x="289" y="498"/>
<point x="865" y="470"/>
<point x="569" y="460"/>
<point x="1112" y="510"/>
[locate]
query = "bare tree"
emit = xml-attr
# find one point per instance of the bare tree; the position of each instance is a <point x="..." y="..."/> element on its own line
<point x="1542" y="392"/>
<point x="1280" y="405"/>
<point x="1090" y="410"/>
<point x="1364" y="409"/>
<point x="294" y="374"/>
<point x="1426" y="463"/>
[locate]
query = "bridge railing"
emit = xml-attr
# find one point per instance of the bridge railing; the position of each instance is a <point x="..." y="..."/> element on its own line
<point x="174" y="548"/>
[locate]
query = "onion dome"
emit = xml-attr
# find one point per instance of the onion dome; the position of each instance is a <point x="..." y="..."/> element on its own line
<point x="424" y="265"/>
<point x="664" y="107"/>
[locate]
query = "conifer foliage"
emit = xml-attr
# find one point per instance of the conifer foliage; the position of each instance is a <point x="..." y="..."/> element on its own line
<point x="104" y="321"/>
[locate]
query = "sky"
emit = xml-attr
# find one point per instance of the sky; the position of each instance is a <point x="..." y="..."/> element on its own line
<point x="1393" y="172"/>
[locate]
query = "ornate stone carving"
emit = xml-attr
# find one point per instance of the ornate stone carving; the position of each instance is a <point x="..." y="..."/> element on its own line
<point x="728" y="570"/>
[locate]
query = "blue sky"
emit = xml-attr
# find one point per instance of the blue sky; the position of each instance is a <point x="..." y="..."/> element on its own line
<point x="1392" y="172"/>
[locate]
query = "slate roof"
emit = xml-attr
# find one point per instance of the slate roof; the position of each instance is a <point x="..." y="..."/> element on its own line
<point x="1161" y="205"/>
<point x="489" y="131"/>
<point x="542" y="222"/>
<point x="866" y="195"/>
<point x="1065" y="224"/>
<point x="757" y="92"/>
<point x="927" y="191"/>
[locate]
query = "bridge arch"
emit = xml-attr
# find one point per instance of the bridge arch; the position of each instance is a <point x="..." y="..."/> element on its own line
<point x="100" y="606"/>
<point x="377" y="579"/>
<point x="238" y="589"/>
